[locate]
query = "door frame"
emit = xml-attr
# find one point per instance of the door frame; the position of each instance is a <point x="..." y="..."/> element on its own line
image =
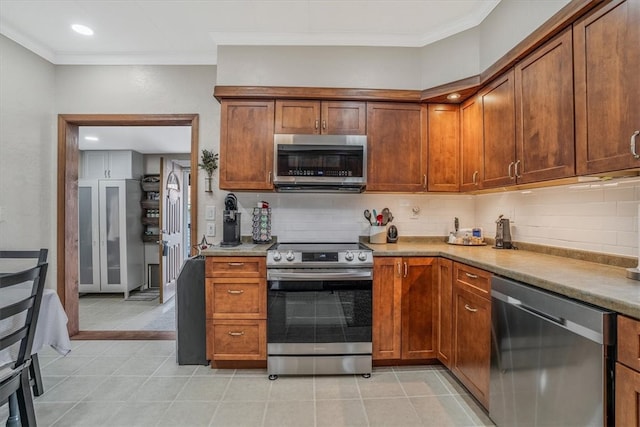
<point x="67" y="199"/>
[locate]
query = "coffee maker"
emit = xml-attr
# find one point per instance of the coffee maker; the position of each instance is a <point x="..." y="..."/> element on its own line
<point x="230" y="222"/>
<point x="503" y="234"/>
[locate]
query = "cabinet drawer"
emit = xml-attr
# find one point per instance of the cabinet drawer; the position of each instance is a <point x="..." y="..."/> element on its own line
<point x="473" y="279"/>
<point x="236" y="267"/>
<point x="237" y="339"/>
<point x="629" y="342"/>
<point x="239" y="298"/>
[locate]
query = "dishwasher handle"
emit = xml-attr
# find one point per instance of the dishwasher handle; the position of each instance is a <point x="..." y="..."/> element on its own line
<point x="560" y="321"/>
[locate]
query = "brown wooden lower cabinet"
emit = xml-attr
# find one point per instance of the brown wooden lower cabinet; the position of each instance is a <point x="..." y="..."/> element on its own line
<point x="237" y="339"/>
<point x="628" y="373"/>
<point x="472" y="330"/>
<point x="236" y="307"/>
<point x="445" y="314"/>
<point x="627" y="396"/>
<point x="404" y="308"/>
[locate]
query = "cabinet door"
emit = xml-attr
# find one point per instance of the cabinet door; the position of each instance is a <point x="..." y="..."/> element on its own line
<point x="544" y="112"/>
<point x="471" y="145"/>
<point x="498" y="114"/>
<point x="607" y="87"/>
<point x="95" y="164"/>
<point x="88" y="236"/>
<point x="301" y="117"/>
<point x="472" y="342"/>
<point x="113" y="229"/>
<point x="344" y="118"/>
<point x="444" y="311"/>
<point x="246" y="145"/>
<point x="396" y="156"/>
<point x="627" y="396"/>
<point x="443" y="130"/>
<point x="387" y="308"/>
<point x="419" y="305"/>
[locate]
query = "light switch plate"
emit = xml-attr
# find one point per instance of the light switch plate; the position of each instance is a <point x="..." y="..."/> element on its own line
<point x="210" y="213"/>
<point x="211" y="229"/>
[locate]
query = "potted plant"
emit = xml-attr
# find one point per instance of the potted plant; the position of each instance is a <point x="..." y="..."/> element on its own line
<point x="209" y="163"/>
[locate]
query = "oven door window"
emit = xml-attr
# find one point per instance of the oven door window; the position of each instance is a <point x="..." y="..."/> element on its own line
<point x="319" y="311"/>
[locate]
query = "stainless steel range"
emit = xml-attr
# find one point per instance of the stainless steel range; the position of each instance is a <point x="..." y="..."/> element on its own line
<point x="319" y="309"/>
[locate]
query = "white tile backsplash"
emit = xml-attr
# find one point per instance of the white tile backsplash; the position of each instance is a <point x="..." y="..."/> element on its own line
<point x="594" y="217"/>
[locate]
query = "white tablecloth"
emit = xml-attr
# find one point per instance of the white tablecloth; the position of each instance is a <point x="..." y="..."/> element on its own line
<point x="51" y="328"/>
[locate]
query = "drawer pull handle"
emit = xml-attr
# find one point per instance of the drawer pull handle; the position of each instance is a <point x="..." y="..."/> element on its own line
<point x="235" y="292"/>
<point x="473" y="310"/>
<point x="236" y="264"/>
<point x="471" y="276"/>
<point x="236" y="334"/>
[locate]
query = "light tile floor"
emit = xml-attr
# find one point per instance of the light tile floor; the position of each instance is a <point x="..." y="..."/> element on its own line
<point x="138" y="383"/>
<point x="110" y="312"/>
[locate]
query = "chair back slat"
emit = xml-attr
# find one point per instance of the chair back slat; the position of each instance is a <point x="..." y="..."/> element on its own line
<point x="7" y="341"/>
<point x="40" y="255"/>
<point x="28" y="302"/>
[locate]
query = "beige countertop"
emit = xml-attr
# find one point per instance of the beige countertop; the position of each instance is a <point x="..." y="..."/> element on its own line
<point x="599" y="284"/>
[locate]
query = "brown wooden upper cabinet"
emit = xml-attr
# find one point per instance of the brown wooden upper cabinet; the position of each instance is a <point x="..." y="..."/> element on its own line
<point x="321" y="117"/>
<point x="607" y="63"/>
<point x="544" y="113"/>
<point x="396" y="151"/>
<point x="471" y="151"/>
<point x="246" y="145"/>
<point x="499" y="131"/>
<point x="443" y="134"/>
<point x="528" y="118"/>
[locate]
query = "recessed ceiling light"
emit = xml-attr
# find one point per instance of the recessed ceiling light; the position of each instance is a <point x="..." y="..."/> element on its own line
<point x="82" y="29"/>
<point x="92" y="138"/>
<point x="453" y="96"/>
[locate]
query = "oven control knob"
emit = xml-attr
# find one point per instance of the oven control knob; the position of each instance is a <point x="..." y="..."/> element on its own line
<point x="362" y="256"/>
<point x="348" y="256"/>
<point x="277" y="256"/>
<point x="290" y="256"/>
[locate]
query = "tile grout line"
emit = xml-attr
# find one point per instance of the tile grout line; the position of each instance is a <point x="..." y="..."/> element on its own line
<point x="364" y="408"/>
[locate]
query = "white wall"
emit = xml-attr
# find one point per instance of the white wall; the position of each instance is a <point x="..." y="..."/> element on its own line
<point x="27" y="154"/>
<point x="451" y="59"/>
<point x="346" y="67"/>
<point x="510" y="22"/>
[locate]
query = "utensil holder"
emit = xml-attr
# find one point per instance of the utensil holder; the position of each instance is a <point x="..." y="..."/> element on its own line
<point x="378" y="234"/>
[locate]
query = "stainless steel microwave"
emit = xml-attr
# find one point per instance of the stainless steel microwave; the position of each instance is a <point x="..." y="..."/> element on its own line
<point x="320" y="163"/>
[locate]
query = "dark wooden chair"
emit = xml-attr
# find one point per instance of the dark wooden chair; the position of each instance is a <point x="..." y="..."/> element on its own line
<point x="41" y="257"/>
<point x="14" y="378"/>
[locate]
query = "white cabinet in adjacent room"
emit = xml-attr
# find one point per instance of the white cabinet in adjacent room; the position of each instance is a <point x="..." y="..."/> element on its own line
<point x="110" y="247"/>
<point x="116" y="164"/>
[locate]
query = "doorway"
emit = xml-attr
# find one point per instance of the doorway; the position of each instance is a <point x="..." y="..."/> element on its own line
<point x="67" y="203"/>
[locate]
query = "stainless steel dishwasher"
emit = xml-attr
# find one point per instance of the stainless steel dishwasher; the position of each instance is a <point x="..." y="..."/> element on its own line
<point x="551" y="359"/>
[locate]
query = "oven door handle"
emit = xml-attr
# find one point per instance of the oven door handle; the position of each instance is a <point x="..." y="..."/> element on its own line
<point x="317" y="276"/>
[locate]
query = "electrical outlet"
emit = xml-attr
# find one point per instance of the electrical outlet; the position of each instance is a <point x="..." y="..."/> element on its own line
<point x="415" y="212"/>
<point x="211" y="229"/>
<point x="210" y="213"/>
